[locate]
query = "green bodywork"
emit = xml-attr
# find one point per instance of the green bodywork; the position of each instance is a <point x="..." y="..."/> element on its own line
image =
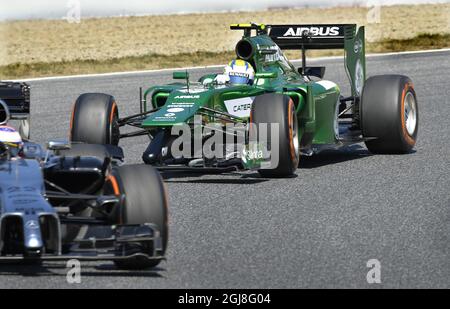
<point x="316" y="101"/>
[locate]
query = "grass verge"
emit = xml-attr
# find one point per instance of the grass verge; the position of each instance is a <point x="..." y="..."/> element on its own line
<point x="158" y="61"/>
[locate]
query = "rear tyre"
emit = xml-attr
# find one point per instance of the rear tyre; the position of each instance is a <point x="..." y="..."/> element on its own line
<point x="95" y="120"/>
<point x="277" y="108"/>
<point x="389" y="114"/>
<point x="145" y="202"/>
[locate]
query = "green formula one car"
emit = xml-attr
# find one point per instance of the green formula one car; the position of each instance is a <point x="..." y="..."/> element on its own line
<point x="262" y="113"/>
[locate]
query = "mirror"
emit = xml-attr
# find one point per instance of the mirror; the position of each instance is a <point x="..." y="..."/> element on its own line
<point x="180" y="75"/>
<point x="58" y="145"/>
<point x="313" y="71"/>
<point x="4" y="113"/>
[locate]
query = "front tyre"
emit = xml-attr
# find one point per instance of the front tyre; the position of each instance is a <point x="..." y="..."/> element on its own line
<point x="145" y="202"/>
<point x="277" y="109"/>
<point x="95" y="120"/>
<point x="389" y="114"/>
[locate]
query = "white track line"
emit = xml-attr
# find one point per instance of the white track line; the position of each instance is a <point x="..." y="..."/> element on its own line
<point x="218" y="66"/>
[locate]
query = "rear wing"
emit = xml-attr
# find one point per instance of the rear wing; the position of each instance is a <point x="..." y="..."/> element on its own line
<point x="327" y="36"/>
<point x="17" y="98"/>
<point x="324" y="36"/>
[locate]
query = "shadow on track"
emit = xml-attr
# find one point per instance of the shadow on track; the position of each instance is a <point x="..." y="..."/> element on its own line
<point x="242" y="180"/>
<point x="60" y="269"/>
<point x="238" y="178"/>
<point x="327" y="157"/>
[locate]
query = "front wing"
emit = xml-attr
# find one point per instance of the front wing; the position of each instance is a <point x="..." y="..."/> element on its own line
<point x="110" y="243"/>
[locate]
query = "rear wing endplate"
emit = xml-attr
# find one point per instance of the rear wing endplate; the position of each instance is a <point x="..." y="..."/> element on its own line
<point x="17" y="98"/>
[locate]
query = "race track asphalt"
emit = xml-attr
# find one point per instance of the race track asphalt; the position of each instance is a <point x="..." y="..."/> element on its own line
<point x="318" y="229"/>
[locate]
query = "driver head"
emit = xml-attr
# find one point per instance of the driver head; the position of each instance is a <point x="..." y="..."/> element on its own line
<point x="10" y="138"/>
<point x="240" y="72"/>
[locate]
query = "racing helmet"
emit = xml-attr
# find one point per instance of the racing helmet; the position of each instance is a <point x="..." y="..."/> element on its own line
<point x="240" y="72"/>
<point x="11" y="138"/>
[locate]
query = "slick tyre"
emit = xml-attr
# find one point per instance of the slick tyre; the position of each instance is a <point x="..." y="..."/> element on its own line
<point x="277" y="109"/>
<point x="145" y="202"/>
<point x="389" y="114"/>
<point x="95" y="120"/>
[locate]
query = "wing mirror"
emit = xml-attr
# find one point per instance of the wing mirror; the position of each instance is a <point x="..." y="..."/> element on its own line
<point x="313" y="71"/>
<point x="181" y="75"/>
<point x="58" y="145"/>
<point x="5" y="115"/>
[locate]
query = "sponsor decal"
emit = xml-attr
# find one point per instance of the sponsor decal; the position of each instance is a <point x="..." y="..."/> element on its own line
<point x="175" y="110"/>
<point x="192" y="90"/>
<point x="240" y="107"/>
<point x="312" y="31"/>
<point x="32" y="225"/>
<point x="239" y="74"/>
<point x="359" y="77"/>
<point x="181" y="105"/>
<point x="326" y="84"/>
<point x="358" y="46"/>
<point x="273" y="58"/>
<point x="278" y="56"/>
<point x="249" y="155"/>
<point x="165" y="117"/>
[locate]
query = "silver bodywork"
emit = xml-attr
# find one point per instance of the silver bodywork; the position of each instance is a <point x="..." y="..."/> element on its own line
<point x="22" y="195"/>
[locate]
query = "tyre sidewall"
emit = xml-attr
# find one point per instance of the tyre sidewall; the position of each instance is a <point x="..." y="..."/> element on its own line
<point x="145" y="198"/>
<point x="277" y="108"/>
<point x="95" y="120"/>
<point x="382" y="114"/>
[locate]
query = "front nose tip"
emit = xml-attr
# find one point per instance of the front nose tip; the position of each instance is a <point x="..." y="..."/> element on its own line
<point x="33" y="237"/>
<point x="34" y="242"/>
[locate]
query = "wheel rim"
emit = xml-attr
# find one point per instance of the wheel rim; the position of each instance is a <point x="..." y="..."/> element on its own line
<point x="115" y="131"/>
<point x="410" y="113"/>
<point x="295" y="141"/>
